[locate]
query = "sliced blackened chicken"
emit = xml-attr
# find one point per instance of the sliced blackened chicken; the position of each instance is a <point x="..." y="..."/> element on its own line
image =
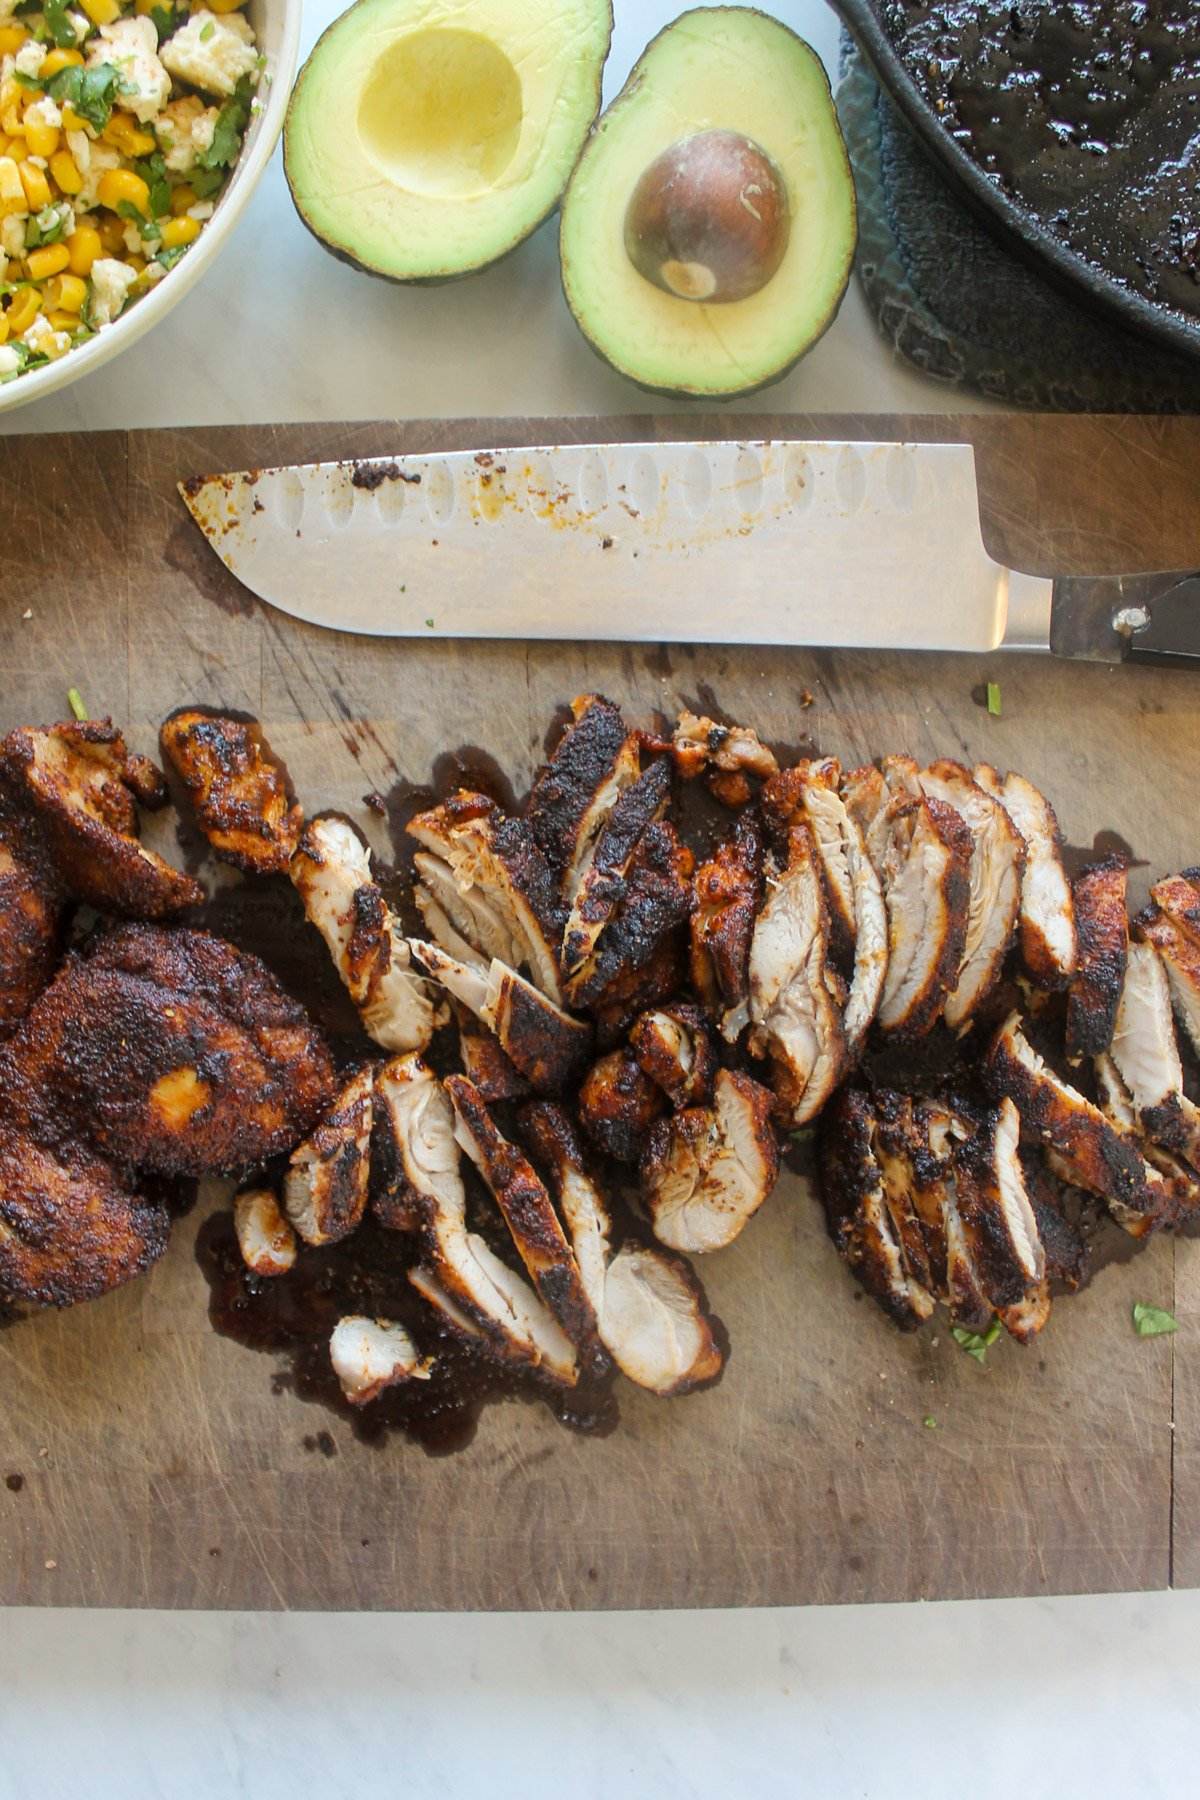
<point x="1172" y="1185"/>
<point x="1102" y="936"/>
<point x="938" y="1132"/>
<point x="77" y="782"/>
<point x="1146" y="1054"/>
<point x="547" y="1045"/>
<point x="656" y="903"/>
<point x="530" y="1217"/>
<point x="618" y="1103"/>
<point x="857" y="1212"/>
<point x="497" y="867"/>
<point x="997" y="867"/>
<point x="457" y="1265"/>
<point x="1179" y="897"/>
<point x="728" y="751"/>
<point x="859" y="927"/>
<point x="866" y="795"/>
<point x="1047" y="911"/>
<point x="796" y="995"/>
<point x="648" y="1307"/>
<point x="1001" y="1224"/>
<point x="926" y="884"/>
<point x="604" y="883"/>
<point x="633" y="991"/>
<point x="31" y="915"/>
<point x="325" y="1189"/>
<point x="369" y="1355"/>
<point x="706" y="1171"/>
<point x="727" y="888"/>
<point x="331" y="871"/>
<point x="595" y="761"/>
<point x="265" y="1239"/>
<point x="1181" y="959"/>
<point x="675" y="1050"/>
<point x="487" y="1064"/>
<point x="238" y="793"/>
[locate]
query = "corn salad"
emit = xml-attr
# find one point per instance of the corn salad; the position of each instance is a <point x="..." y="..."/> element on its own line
<point x="120" y="121"/>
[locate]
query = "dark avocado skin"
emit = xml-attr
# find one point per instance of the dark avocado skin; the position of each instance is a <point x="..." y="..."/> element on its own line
<point x="789" y="363"/>
<point x="354" y="262"/>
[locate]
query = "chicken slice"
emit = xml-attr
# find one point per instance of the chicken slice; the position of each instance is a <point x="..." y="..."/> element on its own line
<point x="70" y="1227"/>
<point x="239" y="795"/>
<point x="1085" y="1146"/>
<point x="1180" y="956"/>
<point x="1179" y="898"/>
<point x="77" y="782"/>
<point x="171" y="1051"/>
<point x="1102" y="935"/>
<point x="498" y="857"/>
<point x="1047" y="911"/>
<point x="706" y="1172"/>
<point x="31" y="915"/>
<point x="727" y="890"/>
<point x="675" y="1050"/>
<point x="996" y="872"/>
<point x="926" y="886"/>
<point x="1146" y="1054"/>
<point x="938" y="1131"/>
<point x="325" y="1188"/>
<point x="634" y="991"/>
<point x="488" y="1065"/>
<point x="857" y="1213"/>
<point x="921" y="1235"/>
<point x="331" y="871"/>
<point x="1172" y="1185"/>
<point x="657" y="901"/>
<point x="796" y="996"/>
<point x="809" y="793"/>
<point x="697" y="743"/>
<point x="866" y="796"/>
<point x="649" y="1311"/>
<point x="547" y="1045"/>
<point x="604" y="882"/>
<point x="369" y="1355"/>
<point x="459" y="1266"/>
<point x="530" y="1217"/>
<point x="572" y="798"/>
<point x="265" y="1239"/>
<point x="1000" y="1222"/>
<point x="618" y="1103"/>
<point x="466" y="924"/>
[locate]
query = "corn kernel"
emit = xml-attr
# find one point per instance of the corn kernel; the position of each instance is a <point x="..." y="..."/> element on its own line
<point x="55" y="60"/>
<point x="62" y="320"/>
<point x="64" y="170"/>
<point x="72" y="120"/>
<point x="178" y="232"/>
<point x="6" y="144"/>
<point x="66" y="294"/>
<point x="12" y="192"/>
<point x="122" y="131"/>
<point x="218" y="6"/>
<point x="23" y="310"/>
<point x="50" y="259"/>
<point x="118" y="187"/>
<point x="10" y="120"/>
<point x="40" y="140"/>
<point x="136" y="263"/>
<point x="49" y="347"/>
<point x="181" y="198"/>
<point x="111" y="231"/>
<point x="12" y="93"/>
<point x="83" y="247"/>
<point x="3" y="326"/>
<point x="11" y="39"/>
<point x="101" y="12"/>
<point x="37" y="188"/>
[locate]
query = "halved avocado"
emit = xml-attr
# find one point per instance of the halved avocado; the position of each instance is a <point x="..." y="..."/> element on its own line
<point x="726" y="76"/>
<point x="427" y="138"/>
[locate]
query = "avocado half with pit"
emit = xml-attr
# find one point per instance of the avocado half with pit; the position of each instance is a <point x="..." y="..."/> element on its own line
<point x="708" y="232"/>
<point x="427" y="138"/>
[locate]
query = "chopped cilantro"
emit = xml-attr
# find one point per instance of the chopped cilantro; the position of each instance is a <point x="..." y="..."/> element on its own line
<point x="931" y="1424"/>
<point x="1152" y="1321"/>
<point x="48" y="226"/>
<point x="163" y="19"/>
<point x="61" y="28"/>
<point x="227" y="133"/>
<point x="993" y="698"/>
<point x="76" y="704"/>
<point x="204" y="183"/>
<point x="88" y="92"/>
<point x="168" y="258"/>
<point x="802" y="1134"/>
<point x="429" y="622"/>
<point x="147" y="229"/>
<point x="973" y="1342"/>
<point x="206" y="31"/>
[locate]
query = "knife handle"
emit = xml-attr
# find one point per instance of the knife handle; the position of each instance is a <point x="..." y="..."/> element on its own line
<point x="1152" y="618"/>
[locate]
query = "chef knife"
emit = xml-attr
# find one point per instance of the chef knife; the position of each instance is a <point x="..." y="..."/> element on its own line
<point x="859" y="545"/>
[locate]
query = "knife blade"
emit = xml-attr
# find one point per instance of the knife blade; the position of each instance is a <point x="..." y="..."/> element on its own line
<point x="838" y="544"/>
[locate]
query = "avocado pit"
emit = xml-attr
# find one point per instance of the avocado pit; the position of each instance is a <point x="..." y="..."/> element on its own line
<point x="709" y="219"/>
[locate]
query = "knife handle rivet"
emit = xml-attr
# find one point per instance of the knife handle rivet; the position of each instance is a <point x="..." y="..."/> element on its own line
<point x="1130" y="619"/>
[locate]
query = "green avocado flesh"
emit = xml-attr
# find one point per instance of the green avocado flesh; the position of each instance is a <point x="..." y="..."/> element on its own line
<point x="726" y="69"/>
<point x="426" y="138"/>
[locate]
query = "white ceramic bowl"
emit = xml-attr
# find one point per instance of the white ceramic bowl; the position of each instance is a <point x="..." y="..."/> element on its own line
<point x="277" y="28"/>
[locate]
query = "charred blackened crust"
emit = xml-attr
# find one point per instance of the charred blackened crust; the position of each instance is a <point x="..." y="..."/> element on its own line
<point x="31" y="913"/>
<point x="1067" y="1255"/>
<point x="657" y="899"/>
<point x="618" y="1103"/>
<point x="604" y="885"/>
<point x="955" y="833"/>
<point x="548" y="1046"/>
<point x="675" y="1050"/>
<point x="566" y="787"/>
<point x="728" y="890"/>
<point x="856" y="1209"/>
<point x="1102" y="937"/>
<point x="978" y="1193"/>
<point x="238" y="795"/>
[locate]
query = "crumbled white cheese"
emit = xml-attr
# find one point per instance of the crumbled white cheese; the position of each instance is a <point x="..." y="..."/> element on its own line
<point x="12" y="235"/>
<point x="135" y="243"/>
<point x="184" y="128"/>
<point x="213" y="54"/>
<point x="10" y="362"/>
<point x="131" y="46"/>
<point x="111" y="282"/>
<point x="101" y="158"/>
<point x="80" y="24"/>
<point x="80" y="146"/>
<point x="42" y="112"/>
<point x="43" y="340"/>
<point x="29" y="59"/>
<point x="202" y="210"/>
<point x="152" y="273"/>
<point x="7" y="8"/>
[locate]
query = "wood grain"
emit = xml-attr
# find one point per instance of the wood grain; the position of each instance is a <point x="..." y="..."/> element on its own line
<point x="162" y="1468"/>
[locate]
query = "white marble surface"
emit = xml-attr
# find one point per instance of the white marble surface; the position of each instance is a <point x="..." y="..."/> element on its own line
<point x="1041" y="1698"/>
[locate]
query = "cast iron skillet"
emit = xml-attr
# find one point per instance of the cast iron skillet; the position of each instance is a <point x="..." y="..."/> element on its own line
<point x="1019" y="228"/>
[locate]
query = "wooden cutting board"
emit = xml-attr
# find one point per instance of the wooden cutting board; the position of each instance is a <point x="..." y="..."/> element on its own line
<point x="150" y="1462"/>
